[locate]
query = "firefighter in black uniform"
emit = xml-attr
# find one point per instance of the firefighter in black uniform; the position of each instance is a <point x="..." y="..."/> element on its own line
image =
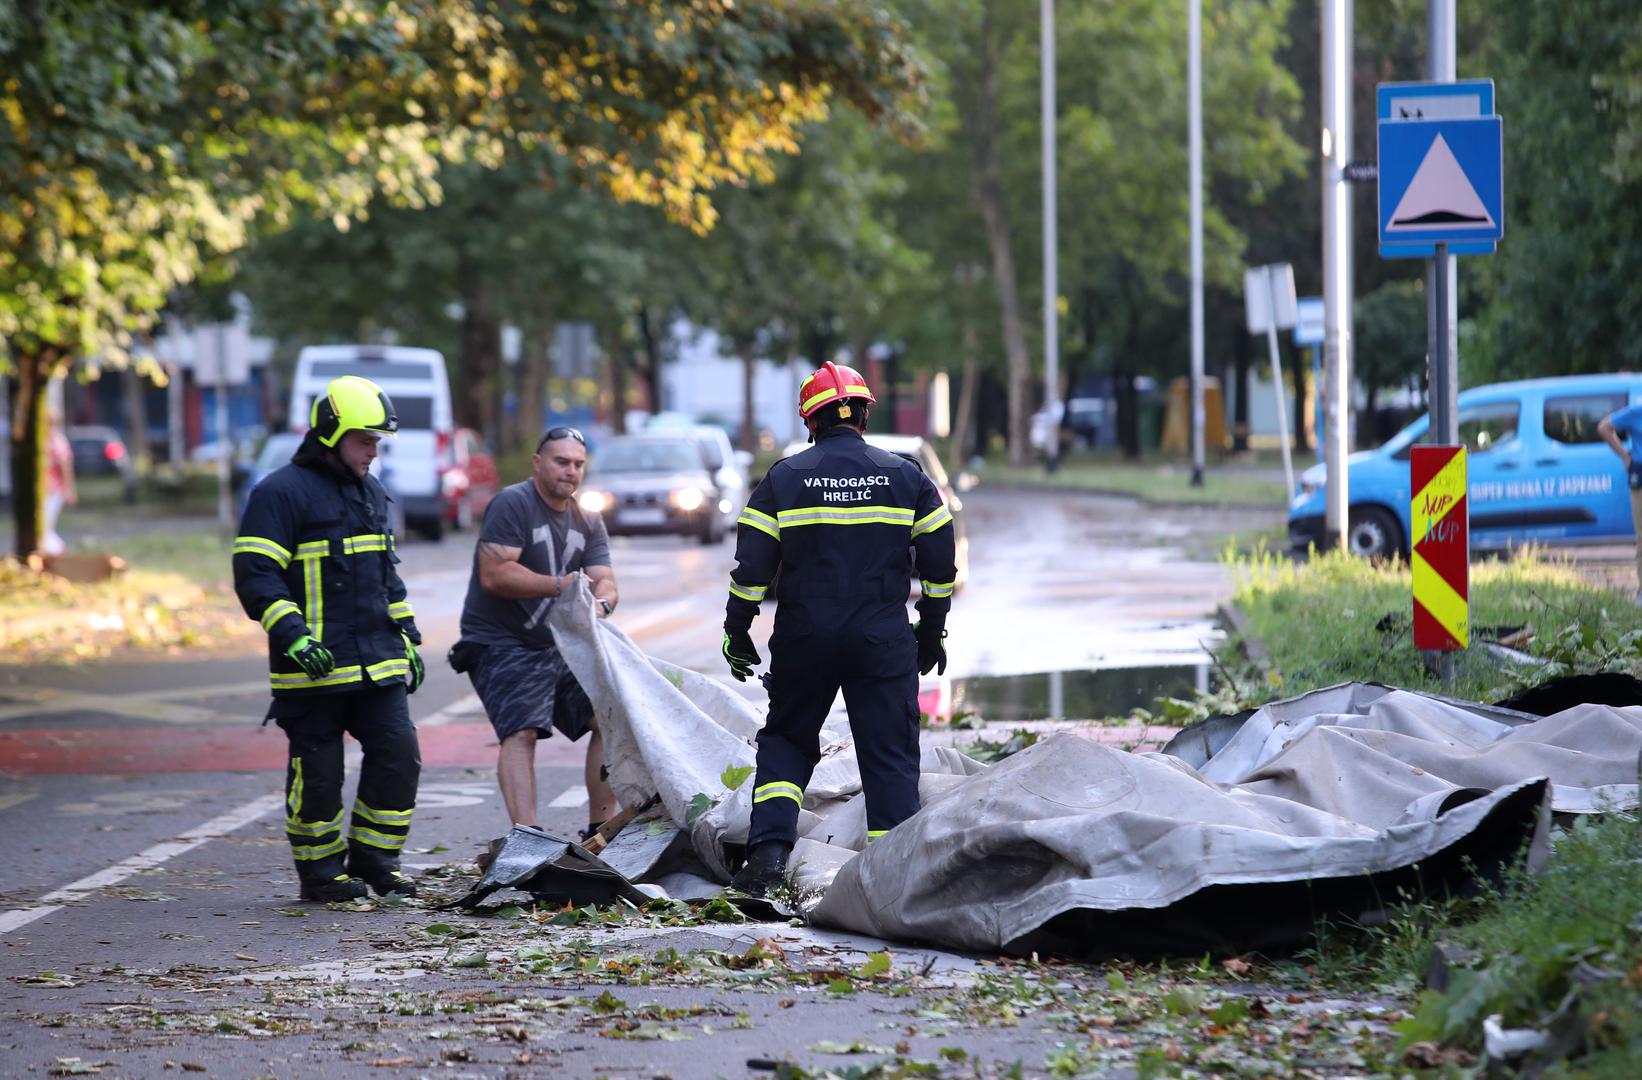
<point x="314" y="563"/>
<point x="844" y="522"/>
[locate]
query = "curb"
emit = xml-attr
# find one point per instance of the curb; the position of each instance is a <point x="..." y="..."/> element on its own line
<point x="1112" y="493"/>
<point x="1253" y="648"/>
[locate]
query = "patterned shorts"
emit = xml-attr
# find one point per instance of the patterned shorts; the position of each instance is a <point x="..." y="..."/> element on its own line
<point x="530" y="688"/>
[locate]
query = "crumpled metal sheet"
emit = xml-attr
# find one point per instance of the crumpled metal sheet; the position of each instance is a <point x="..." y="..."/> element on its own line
<point x="552" y="869"/>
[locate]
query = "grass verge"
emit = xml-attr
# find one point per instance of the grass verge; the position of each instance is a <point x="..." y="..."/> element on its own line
<point x="1335" y="618"/>
<point x="1148" y="480"/>
<point x="176" y="593"/>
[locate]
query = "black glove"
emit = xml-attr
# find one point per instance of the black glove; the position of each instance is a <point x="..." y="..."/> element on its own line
<point x="418" y="671"/>
<point x="315" y="659"/>
<point x="931" y="653"/>
<point x="740" y="653"/>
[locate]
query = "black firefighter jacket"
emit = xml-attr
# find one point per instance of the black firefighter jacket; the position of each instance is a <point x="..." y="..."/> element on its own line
<point x="314" y="556"/>
<point x="845" y="523"/>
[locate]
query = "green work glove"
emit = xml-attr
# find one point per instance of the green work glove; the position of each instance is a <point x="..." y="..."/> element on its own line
<point x="417" y="671"/>
<point x="315" y="659"/>
<point x="740" y="653"/>
<point x="931" y="653"/>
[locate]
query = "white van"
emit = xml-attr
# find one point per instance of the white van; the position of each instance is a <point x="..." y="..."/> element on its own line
<point x="415" y="380"/>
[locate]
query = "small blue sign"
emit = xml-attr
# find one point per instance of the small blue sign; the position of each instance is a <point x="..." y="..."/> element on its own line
<point x="1308" y="322"/>
<point x="1434" y="100"/>
<point x="1441" y="182"/>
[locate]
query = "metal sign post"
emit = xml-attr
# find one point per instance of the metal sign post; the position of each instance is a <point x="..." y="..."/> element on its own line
<point x="1269" y="304"/>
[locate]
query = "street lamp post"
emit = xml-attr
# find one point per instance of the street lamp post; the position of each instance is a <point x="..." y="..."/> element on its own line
<point x="1194" y="123"/>
<point x="1051" y="267"/>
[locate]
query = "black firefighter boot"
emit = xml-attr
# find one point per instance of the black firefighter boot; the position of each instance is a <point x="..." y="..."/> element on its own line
<point x="765" y="868"/>
<point x="329" y="884"/>
<point x="380" y="871"/>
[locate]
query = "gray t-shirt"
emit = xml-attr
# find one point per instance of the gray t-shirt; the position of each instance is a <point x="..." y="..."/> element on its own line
<point x="552" y="542"/>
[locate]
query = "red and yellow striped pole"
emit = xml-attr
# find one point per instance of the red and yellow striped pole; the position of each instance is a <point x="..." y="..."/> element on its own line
<point x="1440" y="548"/>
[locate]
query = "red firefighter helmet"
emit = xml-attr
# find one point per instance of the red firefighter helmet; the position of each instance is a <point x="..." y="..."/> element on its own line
<point x="828" y="383"/>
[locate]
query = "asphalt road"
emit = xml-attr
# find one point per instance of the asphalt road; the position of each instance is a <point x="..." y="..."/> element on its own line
<point x="148" y="921"/>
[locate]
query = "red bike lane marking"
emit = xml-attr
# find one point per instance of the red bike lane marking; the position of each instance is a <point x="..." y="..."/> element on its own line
<point x="230" y="749"/>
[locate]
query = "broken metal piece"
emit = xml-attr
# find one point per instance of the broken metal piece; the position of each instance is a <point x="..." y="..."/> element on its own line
<point x="552" y="869"/>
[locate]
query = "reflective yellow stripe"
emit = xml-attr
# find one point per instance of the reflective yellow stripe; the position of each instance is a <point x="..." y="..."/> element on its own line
<point x="296" y="680"/>
<point x="937" y="589"/>
<point x="779" y="789"/>
<point x="845" y="515"/>
<point x="295" y="826"/>
<point x="302" y="853"/>
<point x="825" y="395"/>
<point x="382" y="817"/>
<point x="400" y="609"/>
<point x="387" y="669"/>
<point x="873" y="834"/>
<point x="352" y="545"/>
<point x="313" y="584"/>
<point x="376" y="839"/>
<point x="293" y="798"/>
<point x="932" y="520"/>
<point x="277" y="611"/>
<point x="760" y="521"/>
<point x="755" y="593"/>
<point x="261" y="545"/>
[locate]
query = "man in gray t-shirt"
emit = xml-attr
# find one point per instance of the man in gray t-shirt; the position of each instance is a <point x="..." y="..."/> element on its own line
<point x="533" y="537"/>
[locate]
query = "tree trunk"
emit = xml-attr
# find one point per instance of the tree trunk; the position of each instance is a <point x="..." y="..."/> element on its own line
<point x="28" y="450"/>
<point x="1240" y="412"/>
<point x="989" y="198"/>
<point x="749" y="372"/>
<point x="618" y="380"/>
<point x="651" y="341"/>
<point x="964" y="422"/>
<point x="480" y="362"/>
<point x="1300" y="440"/>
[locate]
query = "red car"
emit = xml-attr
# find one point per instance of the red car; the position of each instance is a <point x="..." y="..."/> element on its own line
<point x="467" y="480"/>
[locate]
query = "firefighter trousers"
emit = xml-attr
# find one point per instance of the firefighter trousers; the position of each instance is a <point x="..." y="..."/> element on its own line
<point x="379" y="720"/>
<point x="881" y="697"/>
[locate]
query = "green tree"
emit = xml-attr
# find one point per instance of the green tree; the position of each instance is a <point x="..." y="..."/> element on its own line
<point x="1389" y="344"/>
<point x="1564" y="291"/>
<point x="137" y="137"/>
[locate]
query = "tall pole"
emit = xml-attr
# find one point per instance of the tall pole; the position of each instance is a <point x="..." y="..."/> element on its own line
<point x="1336" y="149"/>
<point x="1441" y="272"/>
<point x="1051" y="262"/>
<point x="225" y="506"/>
<point x="1194" y="124"/>
<point x="1277" y="384"/>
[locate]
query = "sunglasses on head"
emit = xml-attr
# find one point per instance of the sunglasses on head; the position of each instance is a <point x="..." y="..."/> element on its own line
<point x="555" y="433"/>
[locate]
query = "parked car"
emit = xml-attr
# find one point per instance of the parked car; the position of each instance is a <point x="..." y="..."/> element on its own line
<point x="655" y="484"/>
<point x="417" y="383"/>
<point x="919" y="451"/>
<point x="1084" y="417"/>
<point x="1538" y="470"/>
<point x="99" y="451"/>
<point x="469" y="481"/>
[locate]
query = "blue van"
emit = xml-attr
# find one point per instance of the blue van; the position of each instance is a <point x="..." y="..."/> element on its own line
<point x="1538" y="470"/>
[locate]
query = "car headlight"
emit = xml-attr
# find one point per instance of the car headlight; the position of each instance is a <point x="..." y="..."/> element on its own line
<point x="594" y="502"/>
<point x="688" y="498"/>
<point x="724" y="506"/>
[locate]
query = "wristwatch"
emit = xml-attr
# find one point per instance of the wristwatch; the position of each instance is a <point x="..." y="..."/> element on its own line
<point x="606" y="605"/>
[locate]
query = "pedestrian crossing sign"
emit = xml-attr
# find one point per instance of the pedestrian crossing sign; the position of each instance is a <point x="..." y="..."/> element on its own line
<point x="1441" y="182"/>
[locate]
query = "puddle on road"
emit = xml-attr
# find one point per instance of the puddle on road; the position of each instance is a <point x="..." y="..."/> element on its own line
<point x="1075" y="695"/>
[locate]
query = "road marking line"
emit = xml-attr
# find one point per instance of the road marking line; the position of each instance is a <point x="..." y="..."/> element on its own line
<point x="15" y="798"/>
<point x="144" y="860"/>
<point x="575" y="795"/>
<point x="461" y="709"/>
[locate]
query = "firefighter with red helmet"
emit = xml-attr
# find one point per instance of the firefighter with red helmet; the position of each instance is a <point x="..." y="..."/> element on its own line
<point x="314" y="563"/>
<point x="845" y="523"/>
